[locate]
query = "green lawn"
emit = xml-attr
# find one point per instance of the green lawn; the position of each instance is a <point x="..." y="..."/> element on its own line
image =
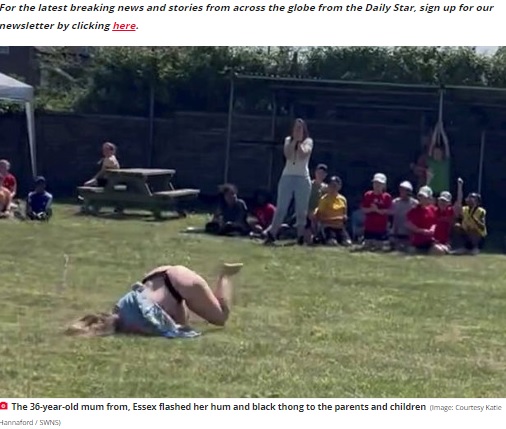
<point x="306" y="322"/>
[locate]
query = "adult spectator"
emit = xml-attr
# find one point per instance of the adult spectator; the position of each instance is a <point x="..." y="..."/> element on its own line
<point x="108" y="162"/>
<point x="295" y="182"/>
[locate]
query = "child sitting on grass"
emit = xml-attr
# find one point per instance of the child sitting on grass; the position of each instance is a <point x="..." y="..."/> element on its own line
<point x="421" y="222"/>
<point x="376" y="204"/>
<point x="318" y="189"/>
<point x="331" y="215"/>
<point x="9" y="181"/>
<point x="401" y="206"/>
<point x="39" y="201"/>
<point x="5" y="200"/>
<point x="262" y="213"/>
<point x="472" y="228"/>
<point x="445" y="221"/>
<point x="231" y="215"/>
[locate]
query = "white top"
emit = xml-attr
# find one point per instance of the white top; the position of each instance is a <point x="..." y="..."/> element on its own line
<point x="110" y="163"/>
<point x="297" y="157"/>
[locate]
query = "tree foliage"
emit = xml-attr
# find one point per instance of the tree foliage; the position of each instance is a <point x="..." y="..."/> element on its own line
<point x="121" y="80"/>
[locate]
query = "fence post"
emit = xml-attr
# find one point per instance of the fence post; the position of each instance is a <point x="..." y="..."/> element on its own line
<point x="272" y="146"/>
<point x="482" y="160"/>
<point x="151" y="124"/>
<point x="229" y="126"/>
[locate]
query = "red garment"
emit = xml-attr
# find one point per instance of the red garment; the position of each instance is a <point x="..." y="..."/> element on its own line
<point x="10" y="182"/>
<point x="444" y="223"/>
<point x="264" y="214"/>
<point x="423" y="218"/>
<point x="375" y="222"/>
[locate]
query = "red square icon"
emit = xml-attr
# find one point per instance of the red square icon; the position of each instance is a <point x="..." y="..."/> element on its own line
<point x="4" y="406"/>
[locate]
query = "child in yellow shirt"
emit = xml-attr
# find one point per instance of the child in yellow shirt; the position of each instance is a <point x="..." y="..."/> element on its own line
<point x="332" y="213"/>
<point x="473" y="224"/>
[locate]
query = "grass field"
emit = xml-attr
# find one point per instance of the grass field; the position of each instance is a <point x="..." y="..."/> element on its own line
<point x="306" y="322"/>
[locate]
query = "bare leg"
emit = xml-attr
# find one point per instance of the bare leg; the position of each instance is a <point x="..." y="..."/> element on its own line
<point x="223" y="288"/>
<point x="213" y="306"/>
<point x="438" y="250"/>
<point x="223" y="293"/>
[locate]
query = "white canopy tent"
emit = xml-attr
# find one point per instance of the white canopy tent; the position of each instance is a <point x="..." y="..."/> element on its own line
<point x="14" y="90"/>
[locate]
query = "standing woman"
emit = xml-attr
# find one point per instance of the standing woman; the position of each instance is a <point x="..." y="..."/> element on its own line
<point x="294" y="182"/>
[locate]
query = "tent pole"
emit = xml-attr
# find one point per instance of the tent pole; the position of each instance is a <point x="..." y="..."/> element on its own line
<point x="30" y="119"/>
<point x="482" y="156"/>
<point x="229" y="126"/>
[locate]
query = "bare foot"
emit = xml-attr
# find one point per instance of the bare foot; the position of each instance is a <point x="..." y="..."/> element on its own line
<point x="230" y="269"/>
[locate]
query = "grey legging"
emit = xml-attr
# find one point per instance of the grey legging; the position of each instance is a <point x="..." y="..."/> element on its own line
<point x="298" y="187"/>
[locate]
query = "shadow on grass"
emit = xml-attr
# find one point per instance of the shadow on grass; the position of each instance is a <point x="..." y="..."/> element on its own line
<point x="197" y="230"/>
<point x="146" y="217"/>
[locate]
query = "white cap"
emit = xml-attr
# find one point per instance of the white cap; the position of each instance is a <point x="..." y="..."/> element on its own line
<point x="380" y="178"/>
<point x="406" y="185"/>
<point x="425" y="191"/>
<point x="445" y="196"/>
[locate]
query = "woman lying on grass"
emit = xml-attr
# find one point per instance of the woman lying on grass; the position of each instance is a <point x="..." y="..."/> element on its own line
<point x="159" y="304"/>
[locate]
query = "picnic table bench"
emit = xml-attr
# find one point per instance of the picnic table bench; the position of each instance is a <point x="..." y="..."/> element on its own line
<point x="137" y="188"/>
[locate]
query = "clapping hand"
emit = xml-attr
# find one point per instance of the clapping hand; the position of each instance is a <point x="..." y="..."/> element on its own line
<point x="428" y="232"/>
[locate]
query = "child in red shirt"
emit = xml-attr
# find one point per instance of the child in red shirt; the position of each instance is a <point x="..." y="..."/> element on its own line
<point x="422" y="222"/>
<point x="9" y="181"/>
<point x="263" y="213"/>
<point x="445" y="220"/>
<point x="376" y="206"/>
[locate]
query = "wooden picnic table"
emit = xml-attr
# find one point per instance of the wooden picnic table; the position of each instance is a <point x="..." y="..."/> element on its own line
<point x="148" y="189"/>
<point x="143" y="172"/>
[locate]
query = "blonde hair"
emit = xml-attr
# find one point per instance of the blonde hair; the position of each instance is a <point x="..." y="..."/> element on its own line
<point x="94" y="325"/>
